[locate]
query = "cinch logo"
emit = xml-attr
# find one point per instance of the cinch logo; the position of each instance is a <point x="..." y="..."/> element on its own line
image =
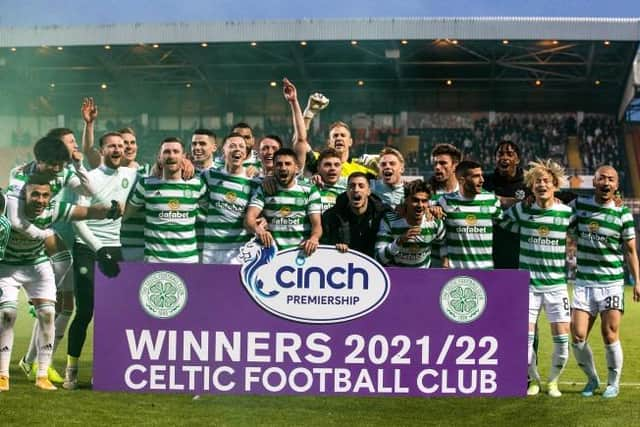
<point x="327" y="287"/>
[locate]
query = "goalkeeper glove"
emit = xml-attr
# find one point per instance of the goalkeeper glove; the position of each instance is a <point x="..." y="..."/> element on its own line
<point x="106" y="263"/>
<point x="316" y="103"/>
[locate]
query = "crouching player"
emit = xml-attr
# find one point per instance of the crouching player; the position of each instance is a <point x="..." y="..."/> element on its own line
<point x="543" y="227"/>
<point x="406" y="239"/>
<point x="605" y="231"/>
<point x="26" y="264"/>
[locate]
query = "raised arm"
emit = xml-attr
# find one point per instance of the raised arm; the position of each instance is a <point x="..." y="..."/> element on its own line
<point x="300" y="141"/>
<point x="89" y="112"/>
<point x="316" y="103"/>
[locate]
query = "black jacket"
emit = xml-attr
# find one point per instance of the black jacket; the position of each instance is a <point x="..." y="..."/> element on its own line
<point x="506" y="252"/>
<point x="341" y="225"/>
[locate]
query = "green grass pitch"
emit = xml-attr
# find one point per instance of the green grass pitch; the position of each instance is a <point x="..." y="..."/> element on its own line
<point x="25" y="405"/>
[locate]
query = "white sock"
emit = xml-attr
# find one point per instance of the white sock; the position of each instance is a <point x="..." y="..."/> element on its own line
<point x="32" y="351"/>
<point x="613" y="353"/>
<point x="530" y="351"/>
<point x="61" y="263"/>
<point x="46" y="313"/>
<point x="7" y="320"/>
<point x="61" y="323"/>
<point x="584" y="357"/>
<point x="559" y="357"/>
<point x="533" y="363"/>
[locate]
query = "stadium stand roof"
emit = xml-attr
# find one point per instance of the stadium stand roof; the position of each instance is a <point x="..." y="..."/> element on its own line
<point x="404" y="64"/>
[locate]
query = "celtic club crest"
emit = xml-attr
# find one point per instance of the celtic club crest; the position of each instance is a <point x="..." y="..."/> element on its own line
<point x="163" y="294"/>
<point x="463" y="299"/>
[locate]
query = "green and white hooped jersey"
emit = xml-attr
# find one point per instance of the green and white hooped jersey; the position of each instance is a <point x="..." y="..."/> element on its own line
<point x="5" y="227"/>
<point x="437" y="246"/>
<point x="19" y="176"/>
<point x="287" y="212"/>
<point x="132" y="230"/>
<point x="470" y="228"/>
<point x="543" y="241"/>
<point x="23" y="250"/>
<point x="67" y="195"/>
<point x="411" y="254"/>
<point x="392" y="196"/>
<point x="170" y="209"/>
<point x="601" y="230"/>
<point x="228" y="197"/>
<point x="329" y="193"/>
<point x="5" y="234"/>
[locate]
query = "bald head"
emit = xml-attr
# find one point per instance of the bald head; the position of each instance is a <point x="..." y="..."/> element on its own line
<point x="605" y="183"/>
<point x="607" y="170"/>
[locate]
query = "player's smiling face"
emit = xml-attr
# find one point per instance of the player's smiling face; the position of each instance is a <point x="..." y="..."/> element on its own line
<point x="171" y="156"/>
<point x="330" y="169"/>
<point x="391" y="169"/>
<point x="235" y="151"/>
<point x="544" y="187"/>
<point x="507" y="160"/>
<point x="202" y="147"/>
<point x="416" y="206"/>
<point x="38" y="197"/>
<point x="130" y="147"/>
<point x="268" y="147"/>
<point x="113" y="151"/>
<point x="605" y="183"/>
<point x="285" y="169"/>
<point x="340" y="139"/>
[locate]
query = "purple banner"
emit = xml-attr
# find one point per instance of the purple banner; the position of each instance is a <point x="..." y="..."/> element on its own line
<point x="197" y="329"/>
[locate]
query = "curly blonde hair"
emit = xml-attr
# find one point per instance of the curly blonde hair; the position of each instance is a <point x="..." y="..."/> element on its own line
<point x="546" y="166"/>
